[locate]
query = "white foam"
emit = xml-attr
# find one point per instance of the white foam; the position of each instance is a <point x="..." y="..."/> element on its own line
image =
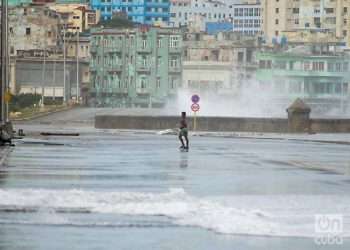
<point x="250" y="215"/>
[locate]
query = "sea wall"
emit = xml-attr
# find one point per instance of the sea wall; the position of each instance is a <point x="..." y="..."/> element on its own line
<point x="203" y="123"/>
<point x="330" y="125"/>
<point x="239" y="124"/>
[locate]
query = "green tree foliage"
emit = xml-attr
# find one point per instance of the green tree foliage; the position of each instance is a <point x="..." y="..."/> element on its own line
<point x="117" y="22"/>
<point x="22" y="101"/>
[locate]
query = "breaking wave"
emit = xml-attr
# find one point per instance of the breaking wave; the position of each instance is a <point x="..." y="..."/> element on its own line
<point x="227" y="215"/>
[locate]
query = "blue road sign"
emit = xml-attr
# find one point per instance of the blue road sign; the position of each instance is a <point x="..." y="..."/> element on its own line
<point x="195" y="98"/>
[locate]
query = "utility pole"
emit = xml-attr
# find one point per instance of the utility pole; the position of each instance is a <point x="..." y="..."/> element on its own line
<point x="54" y="75"/>
<point x="43" y="72"/>
<point x="4" y="55"/>
<point x="64" y="62"/>
<point x="77" y="50"/>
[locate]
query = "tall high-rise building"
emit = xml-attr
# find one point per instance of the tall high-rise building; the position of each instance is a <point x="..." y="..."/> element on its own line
<point x="313" y="15"/>
<point x="245" y="15"/>
<point x="140" y="11"/>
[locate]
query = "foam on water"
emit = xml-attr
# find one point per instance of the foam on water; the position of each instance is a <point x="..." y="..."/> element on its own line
<point x="290" y="216"/>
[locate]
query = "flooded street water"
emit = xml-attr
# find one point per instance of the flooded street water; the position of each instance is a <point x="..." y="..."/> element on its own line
<point x="137" y="191"/>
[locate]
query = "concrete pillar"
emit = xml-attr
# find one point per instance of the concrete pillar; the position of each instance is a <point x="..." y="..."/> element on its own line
<point x="298" y="117"/>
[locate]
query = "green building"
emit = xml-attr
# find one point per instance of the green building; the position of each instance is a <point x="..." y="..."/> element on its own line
<point x="18" y="2"/>
<point x="318" y="75"/>
<point x="138" y="67"/>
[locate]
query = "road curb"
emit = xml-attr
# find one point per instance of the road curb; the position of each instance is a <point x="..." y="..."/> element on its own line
<point x="41" y="115"/>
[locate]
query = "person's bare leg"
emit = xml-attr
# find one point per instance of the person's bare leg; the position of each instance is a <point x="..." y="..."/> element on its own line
<point x="182" y="142"/>
<point x="186" y="139"/>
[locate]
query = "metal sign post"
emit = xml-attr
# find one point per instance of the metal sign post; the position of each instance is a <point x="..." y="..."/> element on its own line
<point x="195" y="108"/>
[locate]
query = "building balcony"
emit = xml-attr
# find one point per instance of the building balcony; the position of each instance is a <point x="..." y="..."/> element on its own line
<point x="142" y="91"/>
<point x="144" y="69"/>
<point x="270" y="73"/>
<point x="175" y="50"/>
<point x="146" y="49"/>
<point x="157" y="14"/>
<point x="157" y="4"/>
<point x="114" y="68"/>
<point x="93" y="49"/>
<point x="93" y="68"/>
<point x="113" y="49"/>
<point x="175" y="69"/>
<point x="120" y="90"/>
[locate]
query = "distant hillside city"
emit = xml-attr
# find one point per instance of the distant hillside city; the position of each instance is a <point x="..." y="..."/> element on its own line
<point x="145" y="53"/>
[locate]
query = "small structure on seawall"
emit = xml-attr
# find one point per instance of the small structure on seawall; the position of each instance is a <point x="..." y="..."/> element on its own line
<point x="298" y="117"/>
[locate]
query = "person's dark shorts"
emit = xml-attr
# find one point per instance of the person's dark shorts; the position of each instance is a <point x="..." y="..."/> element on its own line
<point x="183" y="132"/>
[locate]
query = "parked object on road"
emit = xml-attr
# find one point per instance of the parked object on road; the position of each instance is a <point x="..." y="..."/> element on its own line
<point x="58" y="134"/>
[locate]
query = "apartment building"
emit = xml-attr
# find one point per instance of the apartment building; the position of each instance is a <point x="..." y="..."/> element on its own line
<point x="140" y="11"/>
<point x="138" y="67"/>
<point x="185" y="11"/>
<point x="314" y="73"/>
<point x="33" y="30"/>
<point x="245" y="16"/>
<point x="79" y="16"/>
<point x="282" y="16"/>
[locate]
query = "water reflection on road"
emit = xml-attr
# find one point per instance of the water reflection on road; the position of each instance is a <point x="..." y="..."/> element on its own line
<point x="140" y="191"/>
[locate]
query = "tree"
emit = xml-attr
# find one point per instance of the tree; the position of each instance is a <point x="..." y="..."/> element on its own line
<point x="117" y="21"/>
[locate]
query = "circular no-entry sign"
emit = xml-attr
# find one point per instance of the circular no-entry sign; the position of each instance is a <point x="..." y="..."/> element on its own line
<point x="195" y="98"/>
<point x="195" y="107"/>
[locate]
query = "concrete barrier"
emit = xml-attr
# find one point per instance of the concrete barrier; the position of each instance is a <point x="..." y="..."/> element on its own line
<point x="203" y="123"/>
<point x="330" y="125"/>
<point x="238" y="124"/>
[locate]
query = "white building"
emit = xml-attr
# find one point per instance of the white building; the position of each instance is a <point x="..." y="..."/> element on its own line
<point x="247" y="18"/>
<point x="245" y="14"/>
<point x="183" y="12"/>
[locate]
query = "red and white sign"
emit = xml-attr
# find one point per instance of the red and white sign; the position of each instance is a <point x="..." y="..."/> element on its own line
<point x="195" y="107"/>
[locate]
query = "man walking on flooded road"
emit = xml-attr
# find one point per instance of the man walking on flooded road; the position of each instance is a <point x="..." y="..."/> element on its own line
<point x="183" y="132"/>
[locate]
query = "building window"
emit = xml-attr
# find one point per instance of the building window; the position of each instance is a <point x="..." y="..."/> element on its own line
<point x="240" y="57"/>
<point x="318" y="66"/>
<point x="174" y="41"/>
<point x="173" y="62"/>
<point x="144" y="61"/>
<point x="329" y="10"/>
<point x="306" y="66"/>
<point x="158" y="83"/>
<point x="28" y="31"/>
<point x="159" y="42"/>
<point x="276" y="21"/>
<point x="172" y="83"/>
<point x="277" y="10"/>
<point x="295" y="10"/>
<point x="143" y="83"/>
<point x="144" y="43"/>
<point x="338" y="67"/>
